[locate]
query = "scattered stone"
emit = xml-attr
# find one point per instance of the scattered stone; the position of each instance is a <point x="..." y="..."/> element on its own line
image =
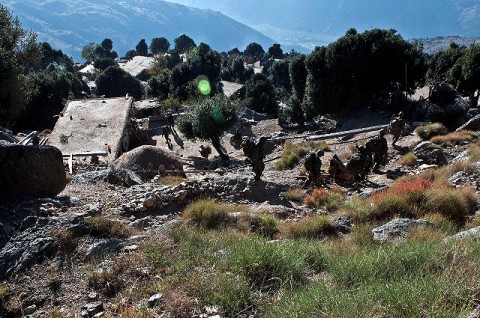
<point x="91" y="309"/>
<point x="152" y="301"/>
<point x="92" y="296"/>
<point x="397" y="229"/>
<point x="472" y="233"/>
<point x="429" y="153"/>
<point x="475" y="313"/>
<point x="30" y="170"/>
<point x="30" y="309"/>
<point x="150" y="200"/>
<point x="342" y="224"/>
<point x="102" y="247"/>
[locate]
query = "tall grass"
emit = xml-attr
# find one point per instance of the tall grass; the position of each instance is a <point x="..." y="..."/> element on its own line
<point x="428" y="131"/>
<point x="415" y="197"/>
<point x="293" y="153"/>
<point x="330" y="199"/>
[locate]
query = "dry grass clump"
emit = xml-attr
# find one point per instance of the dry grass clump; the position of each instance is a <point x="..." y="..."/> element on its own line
<point x="105" y="227"/>
<point x="331" y="199"/>
<point x="295" y="194"/>
<point x="65" y="240"/>
<point x="428" y="131"/>
<point x="314" y="226"/>
<point x="454" y="138"/>
<point x="293" y="153"/>
<point x="418" y="197"/>
<point x="409" y="159"/>
<point x="474" y="152"/>
<point x="211" y="215"/>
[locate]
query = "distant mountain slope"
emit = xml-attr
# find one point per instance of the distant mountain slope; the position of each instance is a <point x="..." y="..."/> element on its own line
<point x="70" y="24"/>
<point x="314" y="22"/>
<point x="440" y="43"/>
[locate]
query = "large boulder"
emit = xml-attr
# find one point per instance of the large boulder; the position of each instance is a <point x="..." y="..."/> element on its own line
<point x="7" y="135"/>
<point x="472" y="124"/>
<point x="30" y="170"/>
<point x="397" y="229"/>
<point x="147" y="160"/>
<point x="430" y="153"/>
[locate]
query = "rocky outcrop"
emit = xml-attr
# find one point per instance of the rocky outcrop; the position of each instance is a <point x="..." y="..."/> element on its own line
<point x="146" y="161"/>
<point x="397" y="230"/>
<point x="429" y="153"/>
<point x="7" y="135"/>
<point x="30" y="170"/>
<point x="472" y="233"/>
<point x="230" y="187"/>
<point x="472" y="124"/>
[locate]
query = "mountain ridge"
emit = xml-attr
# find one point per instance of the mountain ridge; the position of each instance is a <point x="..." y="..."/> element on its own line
<point x="69" y="25"/>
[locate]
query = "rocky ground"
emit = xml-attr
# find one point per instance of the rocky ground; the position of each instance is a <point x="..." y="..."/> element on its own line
<point x="44" y="273"/>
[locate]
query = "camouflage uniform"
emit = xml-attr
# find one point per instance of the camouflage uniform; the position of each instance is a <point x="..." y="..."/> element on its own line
<point x="359" y="164"/>
<point x="397" y="125"/>
<point x="166" y="132"/>
<point x="377" y="148"/>
<point x="236" y="139"/>
<point x="338" y="170"/>
<point x="313" y="165"/>
<point x="205" y="151"/>
<point x="255" y="154"/>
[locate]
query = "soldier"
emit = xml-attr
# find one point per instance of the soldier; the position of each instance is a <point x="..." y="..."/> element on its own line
<point x="255" y="154"/>
<point x="359" y="164"/>
<point x="397" y="125"/>
<point x="171" y="122"/>
<point x="337" y="170"/>
<point x="205" y="151"/>
<point x="166" y="133"/>
<point x="313" y="165"/>
<point x="377" y="149"/>
<point x="236" y="139"/>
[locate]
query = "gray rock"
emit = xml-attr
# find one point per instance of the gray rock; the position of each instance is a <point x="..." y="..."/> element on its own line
<point x="152" y="301"/>
<point x="6" y="229"/>
<point x="475" y="313"/>
<point x="472" y="233"/>
<point x="30" y="170"/>
<point x="396" y="230"/>
<point x="7" y="135"/>
<point x="342" y="224"/>
<point x="473" y="124"/>
<point x="123" y="177"/>
<point x="143" y="223"/>
<point x="102" y="247"/>
<point x="150" y="200"/>
<point x="430" y="153"/>
<point x="93" y="308"/>
<point x="30" y="309"/>
<point x="27" y="247"/>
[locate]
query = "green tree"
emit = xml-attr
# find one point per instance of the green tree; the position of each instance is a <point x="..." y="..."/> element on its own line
<point x="88" y="52"/>
<point x="298" y="76"/>
<point x="159" y="86"/>
<point x="159" y="45"/>
<point x="184" y="43"/>
<point x="465" y="74"/>
<point x="235" y="70"/>
<point x="142" y="48"/>
<point x="260" y="95"/>
<point x="103" y="63"/>
<point x="19" y="53"/>
<point x="280" y="75"/>
<point x="441" y="62"/>
<point x="107" y="45"/>
<point x="130" y="54"/>
<point x="50" y="55"/>
<point x="115" y="82"/>
<point x="202" y="61"/>
<point x="275" y="51"/>
<point x="209" y="121"/>
<point x="254" y="50"/>
<point x="360" y="69"/>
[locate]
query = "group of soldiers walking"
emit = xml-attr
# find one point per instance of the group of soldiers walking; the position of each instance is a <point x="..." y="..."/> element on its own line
<point x="369" y="157"/>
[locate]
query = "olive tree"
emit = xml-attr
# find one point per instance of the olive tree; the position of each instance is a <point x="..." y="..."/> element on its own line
<point x="209" y="120"/>
<point x="19" y="53"/>
<point x="115" y="82"/>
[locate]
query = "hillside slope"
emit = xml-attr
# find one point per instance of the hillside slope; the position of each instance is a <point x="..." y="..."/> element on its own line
<point x="69" y="24"/>
<point x="311" y="22"/>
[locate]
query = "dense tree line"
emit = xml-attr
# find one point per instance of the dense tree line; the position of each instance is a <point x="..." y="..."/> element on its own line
<point x="357" y="70"/>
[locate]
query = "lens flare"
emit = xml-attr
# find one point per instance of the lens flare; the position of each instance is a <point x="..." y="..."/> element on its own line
<point x="203" y="85"/>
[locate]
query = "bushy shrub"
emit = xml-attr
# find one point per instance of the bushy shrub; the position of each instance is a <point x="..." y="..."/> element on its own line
<point x="329" y="199"/>
<point x="409" y="159"/>
<point x="428" y="131"/>
<point x="115" y="82"/>
<point x="105" y="227"/>
<point x="310" y="227"/>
